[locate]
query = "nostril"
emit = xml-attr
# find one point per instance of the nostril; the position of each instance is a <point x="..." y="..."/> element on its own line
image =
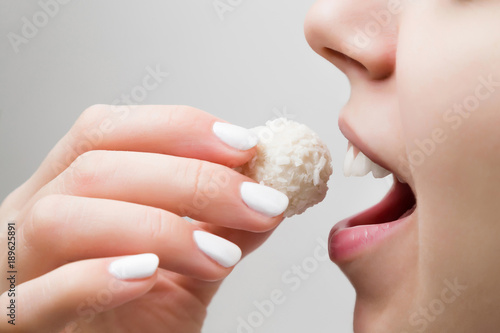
<point x="342" y="61"/>
<point x="341" y="32"/>
<point x="376" y="63"/>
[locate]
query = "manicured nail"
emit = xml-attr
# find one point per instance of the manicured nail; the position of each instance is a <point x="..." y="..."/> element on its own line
<point x="235" y="136"/>
<point x="134" y="267"/>
<point x="264" y="199"/>
<point x="222" y="251"/>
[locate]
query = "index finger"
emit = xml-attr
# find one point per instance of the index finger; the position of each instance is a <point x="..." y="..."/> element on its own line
<point x="173" y="130"/>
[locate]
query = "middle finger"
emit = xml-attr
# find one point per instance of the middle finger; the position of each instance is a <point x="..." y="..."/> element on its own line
<point x="187" y="187"/>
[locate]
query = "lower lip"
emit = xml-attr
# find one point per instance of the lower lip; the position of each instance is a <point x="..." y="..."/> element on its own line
<point x="346" y="243"/>
<point x="351" y="237"/>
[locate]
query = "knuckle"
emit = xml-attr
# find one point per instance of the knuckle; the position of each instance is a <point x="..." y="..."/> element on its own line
<point x="177" y="113"/>
<point x="92" y="114"/>
<point x="85" y="170"/>
<point x="181" y="109"/>
<point x="84" y="135"/>
<point x="157" y="222"/>
<point x="199" y="172"/>
<point x="44" y="209"/>
<point x="206" y="181"/>
<point x="43" y="219"/>
<point x="185" y="115"/>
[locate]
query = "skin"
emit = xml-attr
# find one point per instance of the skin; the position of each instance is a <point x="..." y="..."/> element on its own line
<point x="93" y="200"/>
<point x="403" y="81"/>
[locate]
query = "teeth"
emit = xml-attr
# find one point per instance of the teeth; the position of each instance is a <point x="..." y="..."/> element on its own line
<point x="400" y="180"/>
<point x="349" y="159"/>
<point x="361" y="165"/>
<point x="379" y="172"/>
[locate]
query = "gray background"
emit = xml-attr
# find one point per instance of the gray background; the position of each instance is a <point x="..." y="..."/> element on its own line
<point x="247" y="68"/>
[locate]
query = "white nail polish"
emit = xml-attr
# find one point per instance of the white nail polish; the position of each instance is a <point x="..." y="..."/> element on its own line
<point x="264" y="199"/>
<point x="235" y="136"/>
<point x="134" y="267"/>
<point x="219" y="249"/>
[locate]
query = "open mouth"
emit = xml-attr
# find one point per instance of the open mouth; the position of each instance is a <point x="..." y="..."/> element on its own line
<point x="353" y="234"/>
<point x="398" y="203"/>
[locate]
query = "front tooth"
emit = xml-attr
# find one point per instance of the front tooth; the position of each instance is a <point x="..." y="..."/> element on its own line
<point x="400" y="180"/>
<point x="379" y="172"/>
<point x="361" y="165"/>
<point x="348" y="161"/>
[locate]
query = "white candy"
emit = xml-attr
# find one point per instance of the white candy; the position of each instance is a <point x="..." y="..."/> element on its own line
<point x="292" y="159"/>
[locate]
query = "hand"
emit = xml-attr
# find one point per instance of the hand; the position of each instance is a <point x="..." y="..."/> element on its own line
<point x="116" y="185"/>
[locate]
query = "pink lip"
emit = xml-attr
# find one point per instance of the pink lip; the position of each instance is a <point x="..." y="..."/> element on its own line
<point x="351" y="236"/>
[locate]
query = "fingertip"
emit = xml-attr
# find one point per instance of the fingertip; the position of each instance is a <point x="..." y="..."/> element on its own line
<point x="264" y="199"/>
<point x="266" y="224"/>
<point x="133" y="267"/>
<point x="222" y="251"/>
<point x="239" y="158"/>
<point x="235" y="145"/>
<point x="81" y="290"/>
<point x="234" y="136"/>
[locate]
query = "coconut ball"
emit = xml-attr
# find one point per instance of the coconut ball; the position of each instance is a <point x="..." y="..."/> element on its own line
<point x="292" y="159"/>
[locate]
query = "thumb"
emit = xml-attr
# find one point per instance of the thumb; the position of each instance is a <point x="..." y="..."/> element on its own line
<point x="77" y="292"/>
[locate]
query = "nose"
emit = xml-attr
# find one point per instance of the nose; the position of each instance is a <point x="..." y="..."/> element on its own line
<point x="357" y="36"/>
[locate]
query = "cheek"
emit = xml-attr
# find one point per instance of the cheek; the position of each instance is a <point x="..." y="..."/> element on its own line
<point x="448" y="74"/>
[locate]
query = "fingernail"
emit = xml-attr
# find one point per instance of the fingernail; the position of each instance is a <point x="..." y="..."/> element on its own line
<point x="264" y="199"/>
<point x="222" y="251"/>
<point x="235" y="136"/>
<point x="134" y="267"/>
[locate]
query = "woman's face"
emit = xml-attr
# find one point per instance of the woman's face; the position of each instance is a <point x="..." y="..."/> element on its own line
<point x="425" y="104"/>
